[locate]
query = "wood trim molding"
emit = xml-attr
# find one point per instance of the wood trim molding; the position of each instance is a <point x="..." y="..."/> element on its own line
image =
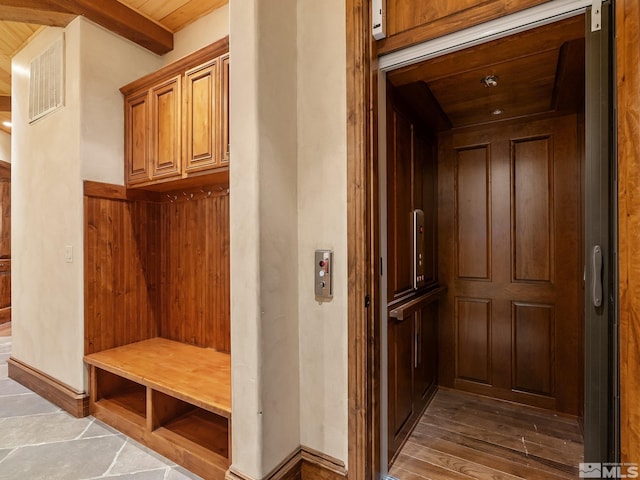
<point x="363" y="314"/>
<point x="67" y="398"/>
<point x="303" y="464"/>
<point x="205" y="54"/>
<point x="628" y="82"/>
<point x="480" y="13"/>
<point x="118" y="192"/>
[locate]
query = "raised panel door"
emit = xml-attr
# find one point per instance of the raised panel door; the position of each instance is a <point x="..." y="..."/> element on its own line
<point x="203" y="112"/>
<point x="513" y="327"/>
<point x="166" y="122"/>
<point x="137" y="137"/>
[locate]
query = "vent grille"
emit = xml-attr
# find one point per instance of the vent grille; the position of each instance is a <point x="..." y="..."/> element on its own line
<point x="46" y="81"/>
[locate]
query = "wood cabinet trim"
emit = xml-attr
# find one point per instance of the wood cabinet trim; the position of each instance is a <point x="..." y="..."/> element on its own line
<point x="179" y="66"/>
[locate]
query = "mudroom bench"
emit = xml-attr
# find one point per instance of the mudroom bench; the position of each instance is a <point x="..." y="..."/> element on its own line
<point x="168" y="395"/>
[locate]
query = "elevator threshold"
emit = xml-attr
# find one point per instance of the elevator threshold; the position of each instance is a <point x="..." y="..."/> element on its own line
<point x="462" y="435"/>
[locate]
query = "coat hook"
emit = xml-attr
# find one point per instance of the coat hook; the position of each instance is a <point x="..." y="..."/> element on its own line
<point x="189" y="196"/>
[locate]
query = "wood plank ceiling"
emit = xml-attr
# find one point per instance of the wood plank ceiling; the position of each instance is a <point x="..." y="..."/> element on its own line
<point x="16" y="27"/>
<point x="540" y="71"/>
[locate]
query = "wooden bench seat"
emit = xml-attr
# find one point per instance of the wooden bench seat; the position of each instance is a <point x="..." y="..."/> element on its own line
<point x="170" y="396"/>
<point x="200" y="376"/>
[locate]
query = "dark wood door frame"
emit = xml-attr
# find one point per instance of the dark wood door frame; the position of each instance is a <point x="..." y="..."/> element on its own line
<point x="363" y="250"/>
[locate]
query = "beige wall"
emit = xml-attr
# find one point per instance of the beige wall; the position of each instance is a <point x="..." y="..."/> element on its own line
<point x="264" y="231"/>
<point x="46" y="212"/>
<point x="5" y="147"/>
<point x="288" y="198"/>
<point x="322" y="223"/>
<point x="200" y="33"/>
<point x="50" y="159"/>
<point x="106" y="63"/>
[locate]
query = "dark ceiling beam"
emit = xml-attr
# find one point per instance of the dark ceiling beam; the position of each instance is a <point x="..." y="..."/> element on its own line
<point x="5" y="103"/>
<point x="110" y="14"/>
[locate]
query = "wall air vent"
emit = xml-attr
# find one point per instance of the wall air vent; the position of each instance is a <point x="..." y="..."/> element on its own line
<point x="46" y="81"/>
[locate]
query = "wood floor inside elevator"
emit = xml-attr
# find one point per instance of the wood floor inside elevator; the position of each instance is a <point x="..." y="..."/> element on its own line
<point x="462" y="436"/>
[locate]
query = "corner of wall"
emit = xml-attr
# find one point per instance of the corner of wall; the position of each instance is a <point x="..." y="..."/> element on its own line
<point x="322" y="216"/>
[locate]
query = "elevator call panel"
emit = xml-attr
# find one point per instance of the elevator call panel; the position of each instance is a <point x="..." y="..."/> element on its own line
<point x="418" y="249"/>
<point x="323" y="274"/>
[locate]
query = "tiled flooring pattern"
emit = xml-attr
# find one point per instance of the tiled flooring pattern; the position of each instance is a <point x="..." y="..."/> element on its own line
<point x="38" y="440"/>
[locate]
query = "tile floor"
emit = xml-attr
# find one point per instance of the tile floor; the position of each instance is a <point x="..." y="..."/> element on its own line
<point x="38" y="440"/>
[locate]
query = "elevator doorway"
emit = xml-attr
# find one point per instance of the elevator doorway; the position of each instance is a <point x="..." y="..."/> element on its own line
<point x="489" y="144"/>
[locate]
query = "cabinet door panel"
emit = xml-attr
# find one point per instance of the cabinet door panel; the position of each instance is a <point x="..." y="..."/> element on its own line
<point x="202" y="117"/>
<point x="165" y="100"/>
<point x="137" y="142"/>
<point x="224" y="104"/>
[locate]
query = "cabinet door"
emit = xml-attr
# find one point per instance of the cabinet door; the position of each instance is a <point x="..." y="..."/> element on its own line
<point x="203" y="112"/>
<point x="137" y="137"/>
<point x="224" y="104"/>
<point x="166" y="128"/>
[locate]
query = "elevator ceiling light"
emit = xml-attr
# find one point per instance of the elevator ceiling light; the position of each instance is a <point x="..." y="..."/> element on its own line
<point x="497" y="111"/>
<point x="490" y="81"/>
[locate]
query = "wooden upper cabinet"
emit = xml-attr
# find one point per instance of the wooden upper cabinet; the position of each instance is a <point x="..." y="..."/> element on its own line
<point x="176" y="120"/>
<point x="166" y="129"/>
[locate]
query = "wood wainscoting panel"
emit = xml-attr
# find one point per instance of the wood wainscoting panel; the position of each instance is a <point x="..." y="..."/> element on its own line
<point x="533" y="348"/>
<point x="121" y="272"/>
<point x="532" y="210"/>
<point x="473" y="212"/>
<point x="473" y="327"/>
<point x="195" y="297"/>
<point x="628" y="112"/>
<point x="156" y="265"/>
<point x="58" y="393"/>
